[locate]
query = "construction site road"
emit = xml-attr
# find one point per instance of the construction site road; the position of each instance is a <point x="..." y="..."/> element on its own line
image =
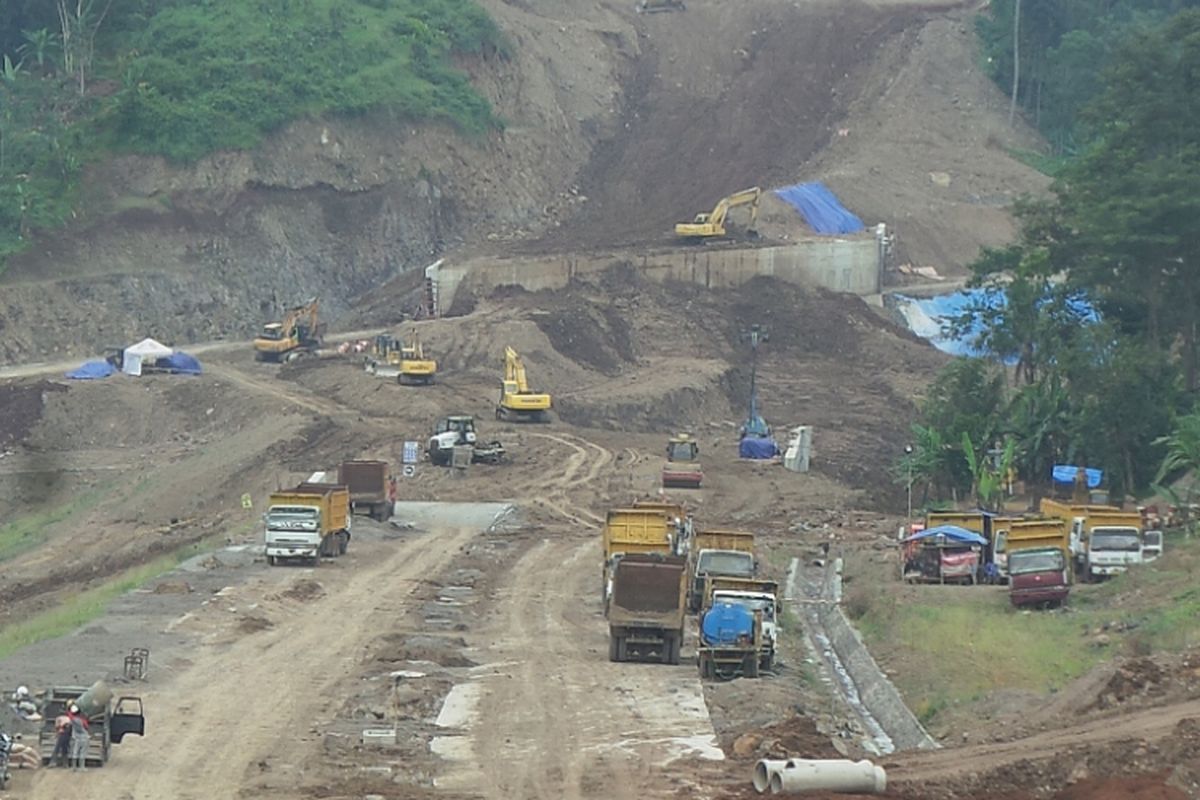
<point x="553" y="718"/>
<point x="34" y="369"/>
<point x="258" y="698"/>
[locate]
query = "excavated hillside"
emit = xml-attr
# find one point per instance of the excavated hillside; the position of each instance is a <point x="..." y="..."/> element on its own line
<point x="618" y="124"/>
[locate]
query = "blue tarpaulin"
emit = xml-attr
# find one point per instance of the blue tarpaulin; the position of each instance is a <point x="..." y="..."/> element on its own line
<point x="180" y="363"/>
<point x="927" y="316"/>
<point x="92" y="370"/>
<point x="757" y="447"/>
<point x="1065" y="473"/>
<point x="820" y="208"/>
<point x="951" y="532"/>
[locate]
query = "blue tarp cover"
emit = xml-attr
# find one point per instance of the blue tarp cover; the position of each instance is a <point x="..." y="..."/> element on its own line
<point x="92" y="370"/>
<point x="820" y="208"/>
<point x="180" y="363"/>
<point x="755" y="447"/>
<point x="951" y="532"/>
<point x="1065" y="473"/>
<point x="925" y="317"/>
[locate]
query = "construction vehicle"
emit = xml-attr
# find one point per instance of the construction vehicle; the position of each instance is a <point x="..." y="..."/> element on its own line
<point x="517" y="401"/>
<point x="459" y="431"/>
<point x="415" y="368"/>
<point x="109" y="720"/>
<point x="371" y="488"/>
<point x="676" y="514"/>
<point x="682" y="470"/>
<point x="298" y="334"/>
<point x="711" y="226"/>
<point x="755" y="596"/>
<point x="719" y="554"/>
<point x="731" y="642"/>
<point x="308" y="522"/>
<point x="629" y="531"/>
<point x="655" y="6"/>
<point x="1038" y="563"/>
<point x="382" y="358"/>
<point x="645" y="614"/>
<point x="1104" y="540"/>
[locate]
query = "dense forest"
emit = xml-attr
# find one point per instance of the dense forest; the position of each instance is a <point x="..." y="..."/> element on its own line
<point x="1092" y="350"/>
<point x="81" y="79"/>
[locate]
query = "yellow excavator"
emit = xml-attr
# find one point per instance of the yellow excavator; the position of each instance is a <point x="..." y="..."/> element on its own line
<point x="517" y="402"/>
<point x="414" y="366"/>
<point x="299" y="333"/>
<point x="711" y="226"/>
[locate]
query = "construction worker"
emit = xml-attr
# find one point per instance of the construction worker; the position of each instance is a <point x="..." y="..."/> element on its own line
<point x="62" y="740"/>
<point x="79" y="737"/>
<point x="24" y="703"/>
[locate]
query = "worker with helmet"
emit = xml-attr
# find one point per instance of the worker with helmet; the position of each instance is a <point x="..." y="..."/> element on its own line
<point x="79" y="737"/>
<point x="25" y="704"/>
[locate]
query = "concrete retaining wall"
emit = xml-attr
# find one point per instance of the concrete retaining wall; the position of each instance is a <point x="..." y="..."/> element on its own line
<point x="874" y="689"/>
<point x="850" y="264"/>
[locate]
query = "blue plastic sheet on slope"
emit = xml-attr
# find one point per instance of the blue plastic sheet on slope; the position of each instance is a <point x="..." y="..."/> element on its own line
<point x="757" y="447"/>
<point x="180" y="363"/>
<point x="926" y="316"/>
<point x="1065" y="473"/>
<point x="91" y="371"/>
<point x="820" y="208"/>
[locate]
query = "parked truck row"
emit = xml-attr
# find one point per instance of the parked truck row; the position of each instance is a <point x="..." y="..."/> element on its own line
<point x="1038" y="555"/>
<point x="658" y="569"/>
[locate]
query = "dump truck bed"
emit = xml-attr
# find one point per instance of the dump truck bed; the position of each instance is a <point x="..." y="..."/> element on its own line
<point x="332" y="500"/>
<point x="742" y="541"/>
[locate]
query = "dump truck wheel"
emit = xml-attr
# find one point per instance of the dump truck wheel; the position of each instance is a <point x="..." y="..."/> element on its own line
<point x="676" y="645"/>
<point x="614" y="650"/>
<point x="750" y="667"/>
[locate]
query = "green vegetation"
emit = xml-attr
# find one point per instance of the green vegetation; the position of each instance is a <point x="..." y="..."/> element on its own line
<point x="25" y="533"/>
<point x="81" y="608"/>
<point x="1064" y="48"/>
<point x="185" y="79"/>
<point x="957" y="648"/>
<point x="1117" y="237"/>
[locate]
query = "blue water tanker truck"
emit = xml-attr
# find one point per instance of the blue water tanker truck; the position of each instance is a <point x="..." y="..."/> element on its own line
<point x="731" y="641"/>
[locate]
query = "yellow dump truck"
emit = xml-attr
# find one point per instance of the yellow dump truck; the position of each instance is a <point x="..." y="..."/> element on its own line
<point x="308" y="522"/>
<point x="1104" y="540"/>
<point x="646" y="613"/>
<point x="633" y="530"/>
<point x="718" y="554"/>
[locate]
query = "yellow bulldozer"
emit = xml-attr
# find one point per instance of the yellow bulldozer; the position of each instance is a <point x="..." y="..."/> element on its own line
<point x="299" y="333"/>
<point x="517" y="401"/>
<point x="414" y="366"/>
<point x="389" y="357"/>
<point x="711" y="225"/>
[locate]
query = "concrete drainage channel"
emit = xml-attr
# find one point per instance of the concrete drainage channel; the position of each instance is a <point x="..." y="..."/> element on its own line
<point x="887" y="724"/>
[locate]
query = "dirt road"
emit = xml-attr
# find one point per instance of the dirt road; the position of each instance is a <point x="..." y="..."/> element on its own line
<point x="257" y="699"/>
<point x="1149" y="725"/>
<point x="554" y="718"/>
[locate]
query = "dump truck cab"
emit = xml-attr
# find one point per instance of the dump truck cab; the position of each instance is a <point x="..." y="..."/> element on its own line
<point x="1039" y="576"/>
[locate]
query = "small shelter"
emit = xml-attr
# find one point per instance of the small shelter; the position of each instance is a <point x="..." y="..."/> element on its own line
<point x="146" y="352"/>
<point x="946" y="553"/>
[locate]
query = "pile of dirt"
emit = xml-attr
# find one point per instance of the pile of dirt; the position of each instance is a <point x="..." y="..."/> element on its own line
<point x="21" y="408"/>
<point x="395" y="648"/>
<point x="795" y="737"/>
<point x="304" y="589"/>
<point x="1140" y="787"/>
<point x="1138" y="679"/>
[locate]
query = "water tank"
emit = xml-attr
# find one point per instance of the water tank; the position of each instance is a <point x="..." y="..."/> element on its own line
<point x="725" y="623"/>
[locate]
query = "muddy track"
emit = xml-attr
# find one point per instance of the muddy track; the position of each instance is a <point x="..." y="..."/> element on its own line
<point x="556" y="719"/>
<point x="255" y="683"/>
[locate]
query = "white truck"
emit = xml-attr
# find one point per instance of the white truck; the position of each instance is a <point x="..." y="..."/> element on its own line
<point x="753" y="595"/>
<point x="1107" y="543"/>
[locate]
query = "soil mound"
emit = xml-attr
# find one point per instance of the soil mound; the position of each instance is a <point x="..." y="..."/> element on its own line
<point x="21" y="408"/>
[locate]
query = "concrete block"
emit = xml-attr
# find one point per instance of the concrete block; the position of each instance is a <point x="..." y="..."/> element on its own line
<point x="379" y="737"/>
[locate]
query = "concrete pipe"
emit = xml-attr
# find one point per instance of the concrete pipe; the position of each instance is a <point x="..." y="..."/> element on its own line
<point x="858" y="777"/>
<point x="763" y="771"/>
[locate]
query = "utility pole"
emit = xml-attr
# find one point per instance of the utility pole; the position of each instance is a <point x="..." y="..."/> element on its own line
<point x="908" y="450"/>
<point x="755" y="425"/>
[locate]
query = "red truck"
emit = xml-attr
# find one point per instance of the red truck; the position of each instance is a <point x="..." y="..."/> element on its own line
<point x="1039" y="563"/>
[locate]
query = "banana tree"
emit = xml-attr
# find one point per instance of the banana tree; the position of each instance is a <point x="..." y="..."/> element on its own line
<point x="987" y="478"/>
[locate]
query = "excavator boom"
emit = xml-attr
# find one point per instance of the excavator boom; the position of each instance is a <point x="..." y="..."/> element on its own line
<point x="414" y="366"/>
<point x="300" y="331"/>
<point x="516" y="400"/>
<point x="712" y="224"/>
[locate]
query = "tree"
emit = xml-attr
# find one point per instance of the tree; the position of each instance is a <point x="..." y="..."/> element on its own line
<point x="79" y="21"/>
<point x="987" y="476"/>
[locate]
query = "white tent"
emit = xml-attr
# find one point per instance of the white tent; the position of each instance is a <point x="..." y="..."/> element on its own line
<point x="145" y="350"/>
